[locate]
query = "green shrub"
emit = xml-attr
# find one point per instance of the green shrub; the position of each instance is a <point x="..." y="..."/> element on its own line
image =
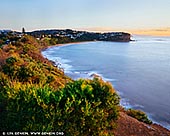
<point x="9" y="68"/>
<point x="24" y="73"/>
<point x="11" y="60"/>
<point x="139" y="115"/>
<point x="83" y="107"/>
<point x="90" y="107"/>
<point x="53" y="41"/>
<point x="3" y="82"/>
<point x="50" y="79"/>
<point x="26" y="48"/>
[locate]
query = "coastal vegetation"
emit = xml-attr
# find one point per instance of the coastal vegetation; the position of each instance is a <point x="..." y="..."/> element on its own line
<point x="53" y="37"/>
<point x="139" y="115"/>
<point x="37" y="96"/>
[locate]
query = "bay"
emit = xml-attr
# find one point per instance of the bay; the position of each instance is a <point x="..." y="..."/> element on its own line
<point x="139" y="70"/>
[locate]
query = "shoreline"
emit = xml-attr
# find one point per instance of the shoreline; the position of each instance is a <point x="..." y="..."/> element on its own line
<point x="58" y="45"/>
<point x="45" y="68"/>
<point x="79" y="42"/>
<point x="64" y="44"/>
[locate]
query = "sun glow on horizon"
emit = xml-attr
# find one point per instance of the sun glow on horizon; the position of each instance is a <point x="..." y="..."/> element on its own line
<point x="154" y="32"/>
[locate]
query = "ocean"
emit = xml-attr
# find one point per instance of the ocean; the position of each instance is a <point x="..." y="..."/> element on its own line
<point x="139" y="70"/>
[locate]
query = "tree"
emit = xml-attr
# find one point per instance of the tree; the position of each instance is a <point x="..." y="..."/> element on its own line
<point x="23" y="30"/>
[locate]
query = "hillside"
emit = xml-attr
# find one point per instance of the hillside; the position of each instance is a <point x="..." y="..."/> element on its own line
<point x="53" y="37"/>
<point x="37" y="96"/>
<point x="129" y="126"/>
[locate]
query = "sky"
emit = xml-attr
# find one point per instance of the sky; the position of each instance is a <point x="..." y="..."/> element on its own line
<point x="91" y="15"/>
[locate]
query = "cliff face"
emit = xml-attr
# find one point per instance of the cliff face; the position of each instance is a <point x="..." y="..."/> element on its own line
<point x="116" y="36"/>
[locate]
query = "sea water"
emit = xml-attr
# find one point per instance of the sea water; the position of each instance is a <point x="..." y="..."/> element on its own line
<point x="139" y="70"/>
